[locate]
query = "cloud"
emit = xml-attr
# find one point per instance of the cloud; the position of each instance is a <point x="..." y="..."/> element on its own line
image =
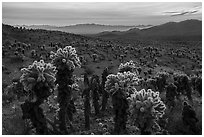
<point x="119" y="13"/>
<point x="182" y="13"/>
<point x="171" y="12"/>
<point x="179" y="13"/>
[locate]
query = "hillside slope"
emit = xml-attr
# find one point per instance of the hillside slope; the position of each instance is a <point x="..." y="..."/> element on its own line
<point x="38" y="37"/>
<point x="185" y="30"/>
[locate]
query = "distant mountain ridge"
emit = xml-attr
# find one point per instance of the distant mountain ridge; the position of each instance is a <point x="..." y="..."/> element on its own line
<point x="85" y="28"/>
<point x="184" y="30"/>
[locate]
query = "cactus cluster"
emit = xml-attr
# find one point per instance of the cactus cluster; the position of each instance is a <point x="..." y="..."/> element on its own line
<point x="125" y="81"/>
<point x="121" y="86"/>
<point x="144" y="99"/>
<point x="66" y="56"/>
<point x="128" y="66"/>
<point x="146" y="108"/>
<point x="38" y="72"/>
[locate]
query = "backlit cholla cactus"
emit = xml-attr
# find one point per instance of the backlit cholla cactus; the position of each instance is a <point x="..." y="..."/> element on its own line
<point x="38" y="72"/>
<point x="66" y="56"/>
<point x="39" y="79"/>
<point x="65" y="60"/>
<point x="145" y="108"/>
<point x="128" y="66"/>
<point x="120" y="87"/>
<point x="125" y="81"/>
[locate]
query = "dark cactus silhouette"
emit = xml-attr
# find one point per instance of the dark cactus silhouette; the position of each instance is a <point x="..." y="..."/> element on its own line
<point x="87" y="106"/>
<point x="104" y="92"/>
<point x="95" y="83"/>
<point x="120" y="107"/>
<point x="65" y="61"/>
<point x="38" y="79"/>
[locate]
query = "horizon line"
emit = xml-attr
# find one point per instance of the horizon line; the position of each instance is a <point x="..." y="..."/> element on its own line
<point x="94" y="24"/>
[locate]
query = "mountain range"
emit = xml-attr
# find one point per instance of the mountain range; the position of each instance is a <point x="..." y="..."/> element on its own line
<point x="85" y="28"/>
<point x="171" y="31"/>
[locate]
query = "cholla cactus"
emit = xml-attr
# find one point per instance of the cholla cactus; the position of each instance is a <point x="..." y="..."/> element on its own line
<point x="128" y="66"/>
<point x="162" y="74"/>
<point x="145" y="108"/>
<point x="125" y="81"/>
<point x="66" y="60"/>
<point x="142" y="100"/>
<point x="38" y="72"/>
<point x="38" y="78"/>
<point x="66" y="56"/>
<point x="120" y="86"/>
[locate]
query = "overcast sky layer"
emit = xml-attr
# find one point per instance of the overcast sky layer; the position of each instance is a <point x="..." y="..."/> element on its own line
<point x="62" y="14"/>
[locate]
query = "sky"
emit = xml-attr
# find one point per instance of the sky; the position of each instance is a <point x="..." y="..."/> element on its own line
<point x="110" y="13"/>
